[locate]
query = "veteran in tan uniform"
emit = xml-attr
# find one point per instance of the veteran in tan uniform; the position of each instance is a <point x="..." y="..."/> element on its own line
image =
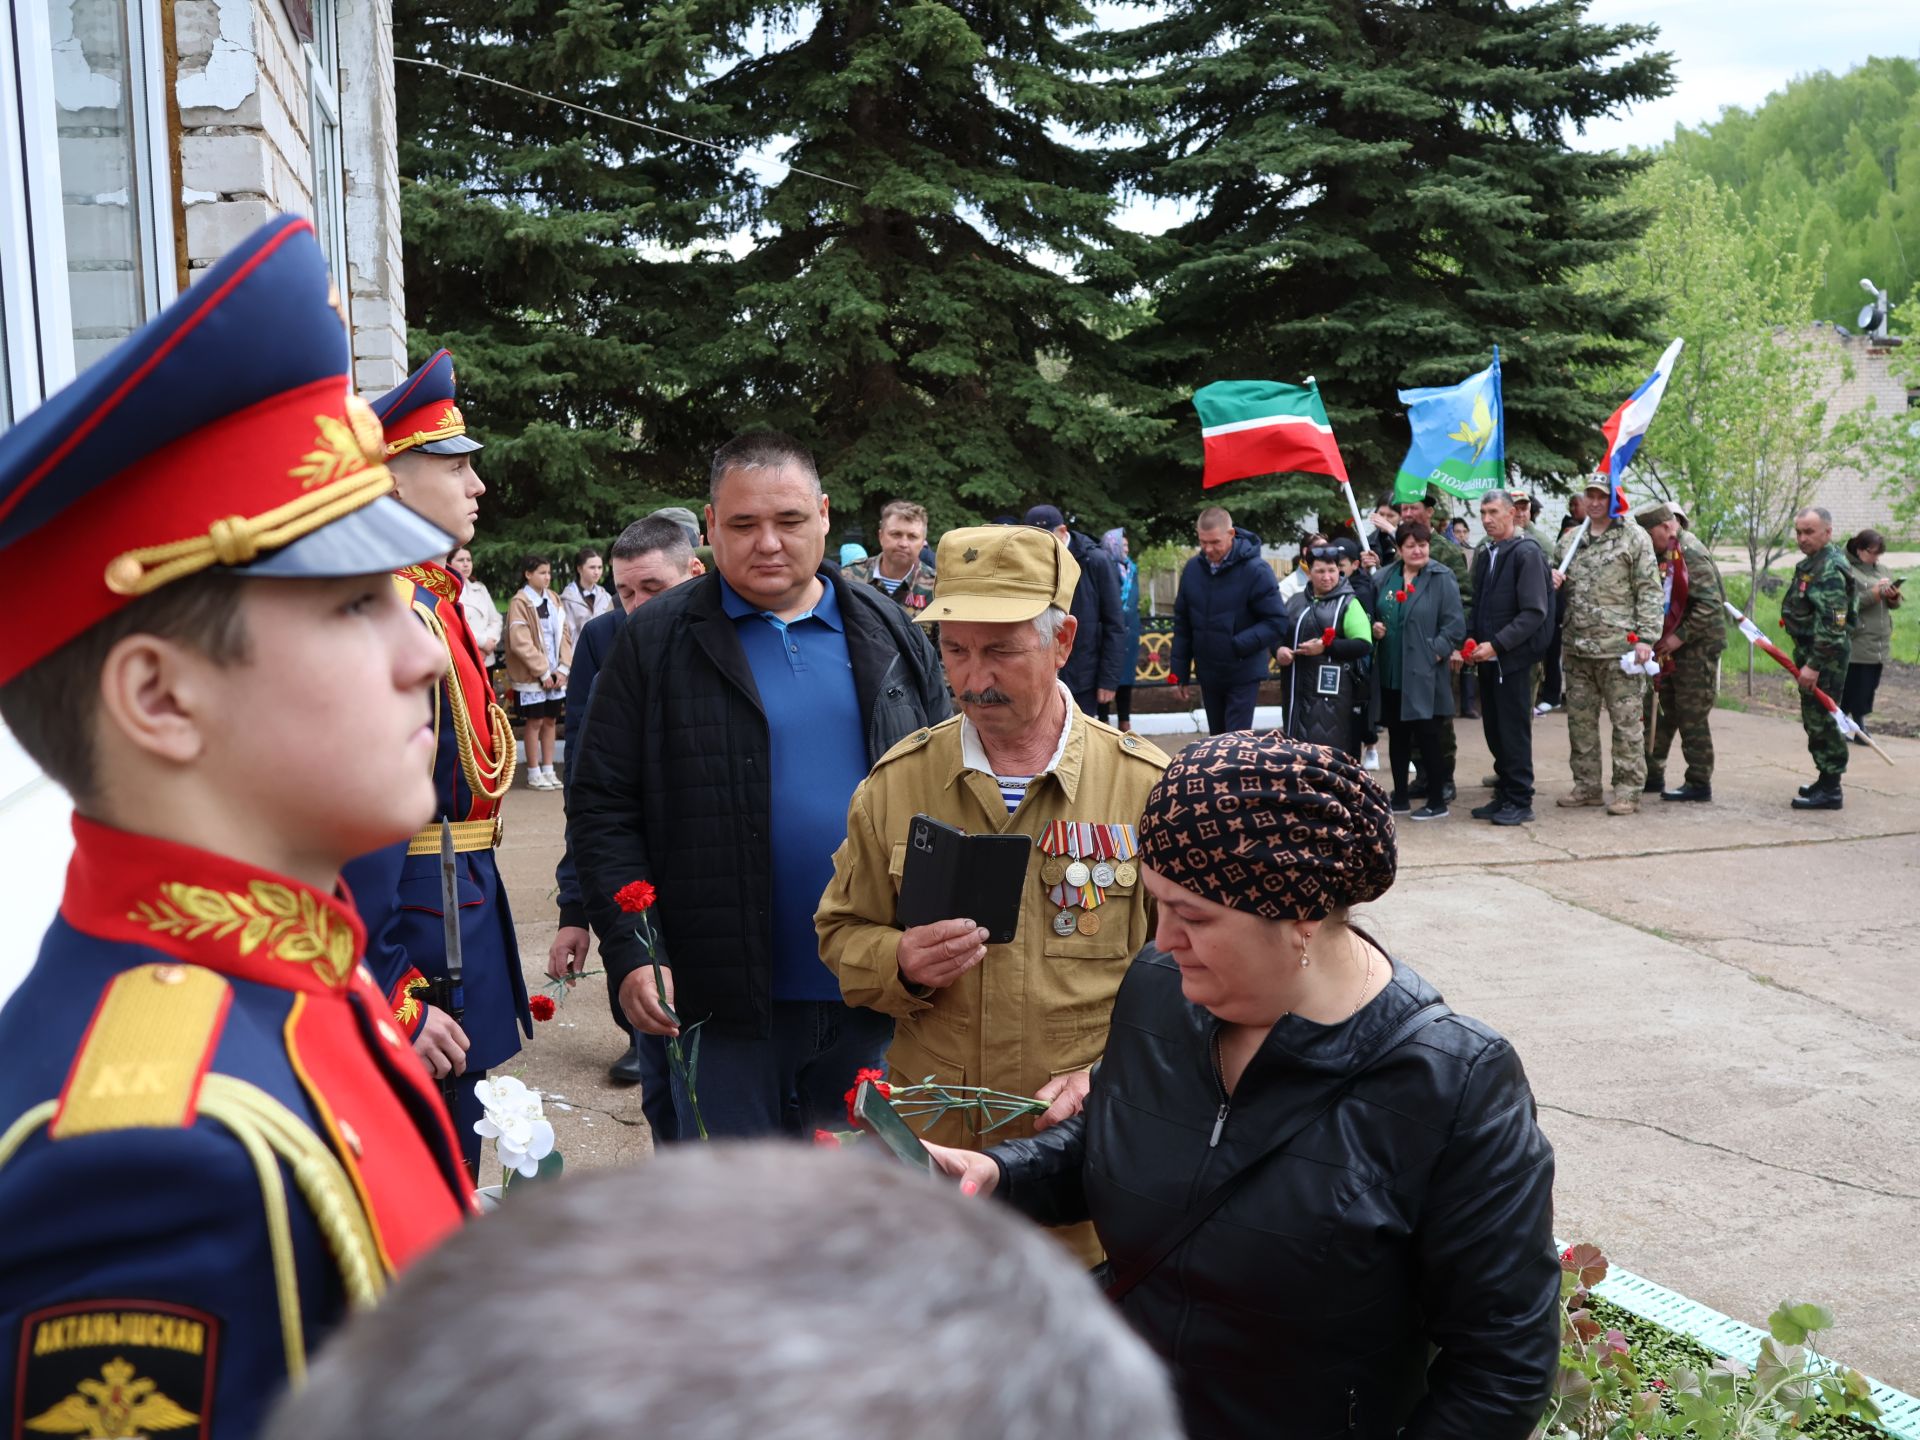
<point x="1020" y="758"/>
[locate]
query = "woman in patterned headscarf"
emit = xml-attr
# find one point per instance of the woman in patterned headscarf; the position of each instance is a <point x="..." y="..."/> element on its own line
<point x="1323" y="1193"/>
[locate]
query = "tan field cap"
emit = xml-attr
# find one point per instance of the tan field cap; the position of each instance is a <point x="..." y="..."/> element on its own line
<point x="999" y="574"/>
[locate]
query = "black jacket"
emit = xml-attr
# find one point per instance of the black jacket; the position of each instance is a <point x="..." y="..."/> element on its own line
<point x="1514" y="611"/>
<point x="671" y="785"/>
<point x="1416" y="1212"/>
<point x="1101" y="659"/>
<point x="1226" y="621"/>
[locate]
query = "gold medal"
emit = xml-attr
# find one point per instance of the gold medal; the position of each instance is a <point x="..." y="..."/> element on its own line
<point x="1126" y="873"/>
<point x="1078" y="874"/>
<point x="1064" y="923"/>
<point x="1089" y="923"/>
<point x="1103" y="874"/>
<point x="1053" y="870"/>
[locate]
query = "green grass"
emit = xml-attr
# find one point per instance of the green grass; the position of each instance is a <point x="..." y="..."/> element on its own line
<point x="1906" y="625"/>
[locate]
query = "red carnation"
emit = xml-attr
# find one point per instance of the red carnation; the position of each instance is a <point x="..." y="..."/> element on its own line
<point x="1401" y="596"/>
<point x="826" y="1138"/>
<point x="634" y="897"/>
<point x="877" y="1079"/>
<point x="1326" y="636"/>
<point x="1632" y="639"/>
<point x="1466" y="646"/>
<point x="541" y="1007"/>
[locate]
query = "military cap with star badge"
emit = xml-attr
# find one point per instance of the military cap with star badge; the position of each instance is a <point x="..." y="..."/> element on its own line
<point x="420" y="414"/>
<point x="224" y="434"/>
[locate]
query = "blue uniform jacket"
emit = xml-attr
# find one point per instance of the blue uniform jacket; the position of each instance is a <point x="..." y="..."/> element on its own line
<point x="195" y="1061"/>
<point x="398" y="894"/>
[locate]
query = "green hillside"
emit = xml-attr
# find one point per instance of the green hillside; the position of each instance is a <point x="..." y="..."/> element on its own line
<point x="1837" y="159"/>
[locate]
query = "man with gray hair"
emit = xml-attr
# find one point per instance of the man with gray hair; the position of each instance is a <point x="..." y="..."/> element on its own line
<point x="776" y="1307"/>
<point x="1028" y="1017"/>
<point x="729" y="726"/>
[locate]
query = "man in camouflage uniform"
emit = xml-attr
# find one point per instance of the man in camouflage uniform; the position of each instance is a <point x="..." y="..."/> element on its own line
<point x="1613" y="591"/>
<point x="1691" y="639"/>
<point x="898" y="569"/>
<point x="1818" y="612"/>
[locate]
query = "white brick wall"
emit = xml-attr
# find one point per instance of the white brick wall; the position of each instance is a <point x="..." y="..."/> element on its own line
<point x="245" y="151"/>
<point x="1853" y="494"/>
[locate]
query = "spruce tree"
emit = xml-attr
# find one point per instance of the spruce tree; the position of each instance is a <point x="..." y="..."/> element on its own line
<point x="561" y="257"/>
<point x="1383" y="191"/>
<point x="946" y="325"/>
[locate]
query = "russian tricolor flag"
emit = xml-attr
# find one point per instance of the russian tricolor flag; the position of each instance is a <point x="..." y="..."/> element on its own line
<point x="1627" y="426"/>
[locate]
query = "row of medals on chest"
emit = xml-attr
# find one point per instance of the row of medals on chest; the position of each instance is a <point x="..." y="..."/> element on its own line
<point x="1083" y="862"/>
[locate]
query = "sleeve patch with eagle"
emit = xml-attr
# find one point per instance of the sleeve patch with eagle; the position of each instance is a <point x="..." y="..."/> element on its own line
<point x="116" y="1367"/>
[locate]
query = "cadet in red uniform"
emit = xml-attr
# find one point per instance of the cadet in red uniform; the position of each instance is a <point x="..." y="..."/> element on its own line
<point x="398" y="890"/>
<point x="214" y="1141"/>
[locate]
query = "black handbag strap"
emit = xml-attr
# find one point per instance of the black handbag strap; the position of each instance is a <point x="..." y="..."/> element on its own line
<point x="1170" y="1240"/>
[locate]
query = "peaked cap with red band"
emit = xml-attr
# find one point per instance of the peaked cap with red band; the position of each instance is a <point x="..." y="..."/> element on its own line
<point x="419" y="413"/>
<point x="223" y="434"/>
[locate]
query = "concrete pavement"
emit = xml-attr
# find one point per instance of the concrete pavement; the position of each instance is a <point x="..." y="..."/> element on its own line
<point x="1716" y="1005"/>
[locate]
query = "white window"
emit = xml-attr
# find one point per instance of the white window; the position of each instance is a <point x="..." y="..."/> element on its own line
<point x="329" y="161"/>
<point x="86" y="217"/>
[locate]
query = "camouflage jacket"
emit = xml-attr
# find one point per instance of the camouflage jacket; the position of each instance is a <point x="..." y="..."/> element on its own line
<point x="913" y="593"/>
<point x="1613" y="590"/>
<point x="1455" y="559"/>
<point x="1820" y="610"/>
<point x="1703" y="629"/>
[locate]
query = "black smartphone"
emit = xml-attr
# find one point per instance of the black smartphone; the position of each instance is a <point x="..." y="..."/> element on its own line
<point x="950" y="874"/>
<point x="1898" y="583"/>
<point x="874" y="1113"/>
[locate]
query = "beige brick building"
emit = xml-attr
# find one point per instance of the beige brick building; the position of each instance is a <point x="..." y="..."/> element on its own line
<point x="1854" y="494"/>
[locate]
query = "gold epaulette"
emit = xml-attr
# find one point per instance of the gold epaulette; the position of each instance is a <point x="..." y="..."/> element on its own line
<point x="143" y="1066"/>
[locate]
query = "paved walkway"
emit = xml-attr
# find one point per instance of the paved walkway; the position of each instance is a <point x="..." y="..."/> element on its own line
<point x="1716" y="1004"/>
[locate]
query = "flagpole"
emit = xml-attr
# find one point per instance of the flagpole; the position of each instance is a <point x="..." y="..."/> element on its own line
<point x="1572" y="550"/>
<point x="1353" y="508"/>
<point x="1843" y="722"/>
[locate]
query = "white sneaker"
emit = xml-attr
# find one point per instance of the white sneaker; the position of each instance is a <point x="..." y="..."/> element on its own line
<point x="1370" y="758"/>
<point x="1543" y="708"/>
<point x="540" y="778"/>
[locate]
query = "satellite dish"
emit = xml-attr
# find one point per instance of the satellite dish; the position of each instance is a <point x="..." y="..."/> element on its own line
<point x="1869" y="316"/>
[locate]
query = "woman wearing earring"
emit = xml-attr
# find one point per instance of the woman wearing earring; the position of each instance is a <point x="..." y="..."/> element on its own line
<point x="1323" y="1194"/>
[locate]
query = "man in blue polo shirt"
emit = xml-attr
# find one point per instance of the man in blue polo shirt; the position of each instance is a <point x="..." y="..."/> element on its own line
<point x="728" y="729"/>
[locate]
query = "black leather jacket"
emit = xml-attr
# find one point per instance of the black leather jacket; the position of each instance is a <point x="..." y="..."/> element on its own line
<point x="1415" y="1213"/>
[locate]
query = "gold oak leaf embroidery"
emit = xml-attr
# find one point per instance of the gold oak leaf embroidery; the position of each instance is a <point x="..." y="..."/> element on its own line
<point x="337" y="453"/>
<point x="292" y="926"/>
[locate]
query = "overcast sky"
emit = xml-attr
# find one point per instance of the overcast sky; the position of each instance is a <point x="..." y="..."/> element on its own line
<point x="1737" y="52"/>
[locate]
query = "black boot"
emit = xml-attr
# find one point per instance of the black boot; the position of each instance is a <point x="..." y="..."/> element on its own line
<point x="627" y="1069"/>
<point x="1825" y="795"/>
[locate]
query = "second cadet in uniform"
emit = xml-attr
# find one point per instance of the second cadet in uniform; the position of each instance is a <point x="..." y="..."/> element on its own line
<point x="1694" y="632"/>
<point x="214" y="1142"/>
<point x="399" y="889"/>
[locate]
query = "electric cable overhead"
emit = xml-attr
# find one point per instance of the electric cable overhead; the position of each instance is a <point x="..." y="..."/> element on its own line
<point x="733" y="155"/>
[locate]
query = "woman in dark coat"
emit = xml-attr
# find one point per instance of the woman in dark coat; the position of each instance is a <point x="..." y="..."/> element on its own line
<point x="1387" y="1271"/>
<point x="1420" y="627"/>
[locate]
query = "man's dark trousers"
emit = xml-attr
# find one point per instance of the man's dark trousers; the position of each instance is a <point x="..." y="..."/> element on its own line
<point x="1506" y="718"/>
<point x="790" y="1083"/>
<point x="1229" y="707"/>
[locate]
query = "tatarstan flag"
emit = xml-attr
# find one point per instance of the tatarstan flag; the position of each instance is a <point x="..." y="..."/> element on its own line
<point x="1264" y="427"/>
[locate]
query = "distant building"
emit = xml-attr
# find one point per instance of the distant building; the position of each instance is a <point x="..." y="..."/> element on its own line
<point x="1854" y="494"/>
<point x="123" y="173"/>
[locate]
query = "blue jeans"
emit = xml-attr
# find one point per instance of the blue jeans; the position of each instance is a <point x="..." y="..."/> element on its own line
<point x="792" y="1082"/>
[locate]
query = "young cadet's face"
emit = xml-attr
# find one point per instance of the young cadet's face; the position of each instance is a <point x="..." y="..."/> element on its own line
<point x="443" y="488"/>
<point x="326" y="729"/>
